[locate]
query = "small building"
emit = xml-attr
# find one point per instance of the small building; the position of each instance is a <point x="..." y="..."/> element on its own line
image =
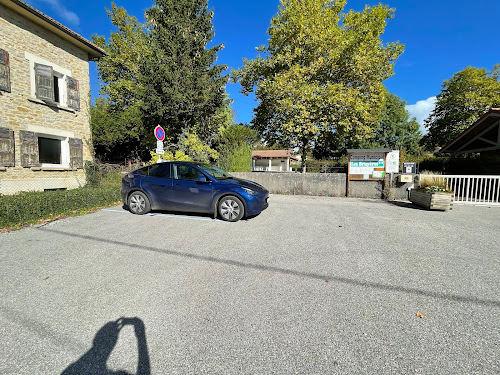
<point x="44" y="101"/>
<point x="482" y="137"/>
<point x="272" y="160"/>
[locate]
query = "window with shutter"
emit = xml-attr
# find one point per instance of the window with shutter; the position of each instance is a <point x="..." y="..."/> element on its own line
<point x="29" y="149"/>
<point x="73" y="94"/>
<point x="4" y="71"/>
<point x="44" y="81"/>
<point x="76" y="153"/>
<point x="7" y="155"/>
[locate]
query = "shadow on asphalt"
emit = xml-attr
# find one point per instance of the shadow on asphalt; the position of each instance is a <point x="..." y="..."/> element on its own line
<point x="190" y="214"/>
<point x="407" y="205"/>
<point x="259" y="267"/>
<point x="94" y="360"/>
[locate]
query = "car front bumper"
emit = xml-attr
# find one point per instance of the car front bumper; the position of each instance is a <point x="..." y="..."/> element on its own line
<point x="257" y="203"/>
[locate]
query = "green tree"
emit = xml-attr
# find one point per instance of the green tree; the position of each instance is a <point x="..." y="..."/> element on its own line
<point x="116" y="118"/>
<point x="321" y="73"/>
<point x="235" y="148"/>
<point x="181" y="85"/>
<point x="116" y="135"/>
<point x="463" y="99"/>
<point x="395" y="129"/>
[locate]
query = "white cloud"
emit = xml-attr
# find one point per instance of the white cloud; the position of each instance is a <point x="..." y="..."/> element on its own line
<point x="58" y="7"/>
<point x="421" y="110"/>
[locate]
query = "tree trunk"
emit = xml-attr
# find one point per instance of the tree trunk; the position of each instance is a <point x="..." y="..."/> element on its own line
<point x="304" y="155"/>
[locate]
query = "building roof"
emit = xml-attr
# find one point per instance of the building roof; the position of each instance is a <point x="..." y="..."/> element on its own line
<point x="483" y="135"/>
<point x="273" y="154"/>
<point x="59" y="29"/>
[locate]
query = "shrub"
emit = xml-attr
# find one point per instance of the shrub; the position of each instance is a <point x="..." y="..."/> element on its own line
<point x="102" y="174"/>
<point x="32" y="207"/>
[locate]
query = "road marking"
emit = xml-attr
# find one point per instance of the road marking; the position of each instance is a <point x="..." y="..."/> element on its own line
<point x="171" y="216"/>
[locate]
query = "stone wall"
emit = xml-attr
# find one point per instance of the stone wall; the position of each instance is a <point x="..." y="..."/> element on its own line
<point x="20" y="110"/>
<point x="324" y="184"/>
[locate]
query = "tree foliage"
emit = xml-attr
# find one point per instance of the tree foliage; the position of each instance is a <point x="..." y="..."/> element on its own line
<point x="116" y="118"/>
<point x="160" y="72"/>
<point x="321" y="73"/>
<point x="182" y="86"/>
<point x="235" y="148"/>
<point x="116" y="135"/>
<point x="394" y="129"/>
<point x="463" y="99"/>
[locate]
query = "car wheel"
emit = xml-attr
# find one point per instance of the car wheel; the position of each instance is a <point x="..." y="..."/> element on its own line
<point x="138" y="203"/>
<point x="231" y="208"/>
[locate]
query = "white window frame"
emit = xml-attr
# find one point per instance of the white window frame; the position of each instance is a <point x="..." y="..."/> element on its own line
<point x="59" y="72"/>
<point x="64" y="151"/>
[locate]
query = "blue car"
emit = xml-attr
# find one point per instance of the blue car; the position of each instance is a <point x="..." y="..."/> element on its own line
<point x="192" y="187"/>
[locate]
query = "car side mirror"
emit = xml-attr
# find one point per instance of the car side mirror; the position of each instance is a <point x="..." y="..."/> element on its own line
<point x="203" y="180"/>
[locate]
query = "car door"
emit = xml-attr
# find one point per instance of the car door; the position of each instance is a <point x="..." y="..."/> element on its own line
<point x="158" y="185"/>
<point x="189" y="193"/>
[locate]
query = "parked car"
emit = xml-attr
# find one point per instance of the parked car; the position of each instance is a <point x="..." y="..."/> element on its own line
<point x="192" y="187"/>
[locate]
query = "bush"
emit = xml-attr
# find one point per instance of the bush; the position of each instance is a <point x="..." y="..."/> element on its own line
<point x="32" y="207"/>
<point x="98" y="174"/>
<point x="102" y="189"/>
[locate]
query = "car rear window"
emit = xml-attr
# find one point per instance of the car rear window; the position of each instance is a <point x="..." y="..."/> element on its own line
<point x="160" y="170"/>
<point x="143" y="171"/>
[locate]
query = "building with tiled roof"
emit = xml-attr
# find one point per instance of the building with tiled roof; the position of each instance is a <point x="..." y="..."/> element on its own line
<point x="272" y="160"/>
<point x="44" y="101"/>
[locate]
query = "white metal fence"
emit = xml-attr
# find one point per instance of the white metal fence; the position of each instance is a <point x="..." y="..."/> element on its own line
<point x="471" y="189"/>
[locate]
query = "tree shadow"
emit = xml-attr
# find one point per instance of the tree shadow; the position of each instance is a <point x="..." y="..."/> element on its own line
<point x="93" y="362"/>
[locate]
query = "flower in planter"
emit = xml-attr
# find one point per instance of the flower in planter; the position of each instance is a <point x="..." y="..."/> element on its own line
<point x="436" y="189"/>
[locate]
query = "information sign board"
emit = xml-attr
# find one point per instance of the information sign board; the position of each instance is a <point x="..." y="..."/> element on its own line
<point x="410" y="168"/>
<point x="366" y="164"/>
<point x="159" y="148"/>
<point x="392" y="162"/>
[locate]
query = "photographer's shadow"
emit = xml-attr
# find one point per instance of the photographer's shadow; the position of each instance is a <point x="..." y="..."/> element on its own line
<point x="94" y="361"/>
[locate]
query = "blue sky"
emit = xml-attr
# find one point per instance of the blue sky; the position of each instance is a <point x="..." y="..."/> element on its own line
<point x="442" y="37"/>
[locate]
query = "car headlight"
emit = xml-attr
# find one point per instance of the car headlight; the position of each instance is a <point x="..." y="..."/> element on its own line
<point x="249" y="191"/>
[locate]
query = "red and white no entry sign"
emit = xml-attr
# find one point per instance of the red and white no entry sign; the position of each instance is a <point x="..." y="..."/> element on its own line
<point x="159" y="133"/>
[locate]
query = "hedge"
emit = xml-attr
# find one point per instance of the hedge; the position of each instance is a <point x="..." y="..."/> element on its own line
<point x="32" y="207"/>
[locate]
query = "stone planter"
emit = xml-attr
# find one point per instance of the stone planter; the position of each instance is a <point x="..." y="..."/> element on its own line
<point x="432" y="201"/>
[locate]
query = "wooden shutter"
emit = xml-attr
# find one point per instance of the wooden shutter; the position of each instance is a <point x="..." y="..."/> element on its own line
<point x="29" y="149"/>
<point x="76" y="153"/>
<point x="7" y="148"/>
<point x="73" y="93"/>
<point x="44" y="80"/>
<point x="4" y="71"/>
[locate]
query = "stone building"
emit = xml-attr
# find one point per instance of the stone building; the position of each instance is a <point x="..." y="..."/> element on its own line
<point x="44" y="101"/>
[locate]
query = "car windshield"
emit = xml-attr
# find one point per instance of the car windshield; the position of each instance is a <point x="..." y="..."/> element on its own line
<point x="215" y="172"/>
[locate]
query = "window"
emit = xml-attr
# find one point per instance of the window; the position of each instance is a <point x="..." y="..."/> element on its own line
<point x="53" y="84"/>
<point x="53" y="151"/>
<point x="186" y="172"/>
<point x="4" y="71"/>
<point x="49" y="150"/>
<point x="160" y="170"/>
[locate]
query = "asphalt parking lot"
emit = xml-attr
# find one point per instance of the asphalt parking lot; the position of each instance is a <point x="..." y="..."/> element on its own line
<point x="313" y="285"/>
